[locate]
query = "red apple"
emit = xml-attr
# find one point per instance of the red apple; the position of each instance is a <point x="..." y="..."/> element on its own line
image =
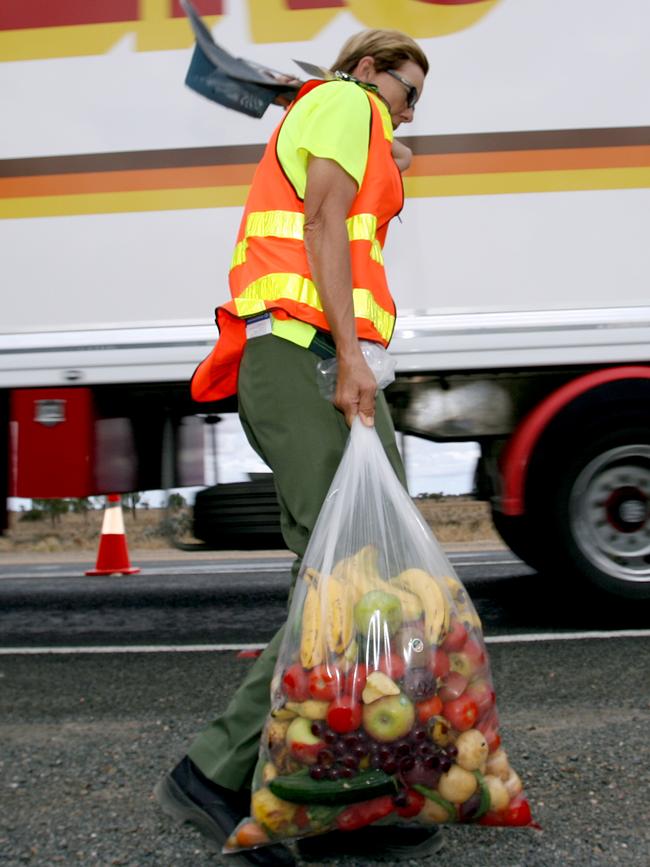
<point x="456" y="637"/>
<point x="344" y="714"/>
<point x="355" y="680"/>
<point x="475" y="651"/>
<point x="392" y="665"/>
<point x="325" y="682"/>
<point x="439" y="663"/>
<point x="462" y="713"/>
<point x="481" y="692"/>
<point x="453" y="686"/>
<point x="302" y="742"/>
<point x="296" y="683"/>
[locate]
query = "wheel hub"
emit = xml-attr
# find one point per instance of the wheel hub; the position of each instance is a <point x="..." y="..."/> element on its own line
<point x="610" y="512"/>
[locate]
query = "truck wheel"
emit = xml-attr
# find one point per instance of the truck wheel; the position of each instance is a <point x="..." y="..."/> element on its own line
<point x="596" y="509"/>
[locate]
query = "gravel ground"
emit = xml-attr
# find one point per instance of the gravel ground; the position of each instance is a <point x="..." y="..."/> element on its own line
<point x="86" y="737"/>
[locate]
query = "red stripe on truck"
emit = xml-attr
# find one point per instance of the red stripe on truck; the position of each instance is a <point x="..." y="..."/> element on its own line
<point x="26" y="14"/>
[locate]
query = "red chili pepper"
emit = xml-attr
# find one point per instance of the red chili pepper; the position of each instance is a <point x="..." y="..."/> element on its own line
<point x="359" y="815"/>
<point x="516" y="814"/>
<point x="413" y="806"/>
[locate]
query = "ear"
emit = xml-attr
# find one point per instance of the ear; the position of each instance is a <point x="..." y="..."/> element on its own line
<point x="365" y="69"/>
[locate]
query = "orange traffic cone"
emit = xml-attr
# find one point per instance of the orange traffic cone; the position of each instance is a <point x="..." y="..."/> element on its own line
<point x="113" y="555"/>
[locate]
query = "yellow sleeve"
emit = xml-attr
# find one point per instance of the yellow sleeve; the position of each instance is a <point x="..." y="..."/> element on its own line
<point x="332" y="122"/>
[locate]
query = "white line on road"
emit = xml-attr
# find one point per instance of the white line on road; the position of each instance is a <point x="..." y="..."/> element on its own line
<point x="521" y="638"/>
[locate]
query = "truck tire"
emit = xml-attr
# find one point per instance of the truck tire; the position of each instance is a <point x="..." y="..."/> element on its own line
<point x="591" y="507"/>
<point x="519" y="535"/>
<point x="239" y="516"/>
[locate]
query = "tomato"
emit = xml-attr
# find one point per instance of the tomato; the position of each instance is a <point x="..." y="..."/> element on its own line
<point x="462" y="713"/>
<point x="439" y="663"/>
<point x="355" y="680"/>
<point x="516" y="815"/>
<point x="429" y="708"/>
<point x="296" y="683"/>
<point x="324" y="682"/>
<point x="344" y="714"/>
<point x="393" y="665"/>
<point x="359" y="815"/>
<point x="301" y="817"/>
<point x="250" y="834"/>
<point x="413" y="805"/>
<point x="456" y="637"/>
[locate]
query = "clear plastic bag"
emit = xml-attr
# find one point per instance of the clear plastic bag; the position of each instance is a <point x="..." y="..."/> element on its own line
<point x="382" y="704"/>
<point x="377" y="358"/>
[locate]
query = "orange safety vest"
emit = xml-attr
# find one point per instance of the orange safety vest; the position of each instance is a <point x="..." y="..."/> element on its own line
<point x="270" y="271"/>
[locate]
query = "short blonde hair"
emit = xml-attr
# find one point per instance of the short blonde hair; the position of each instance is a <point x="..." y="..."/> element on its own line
<point x="388" y="48"/>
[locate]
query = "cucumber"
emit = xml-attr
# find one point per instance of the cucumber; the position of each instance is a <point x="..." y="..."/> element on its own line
<point x="299" y="788"/>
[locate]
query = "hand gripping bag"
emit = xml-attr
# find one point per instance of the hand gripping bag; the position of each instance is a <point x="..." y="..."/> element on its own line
<point x="382" y="704"/>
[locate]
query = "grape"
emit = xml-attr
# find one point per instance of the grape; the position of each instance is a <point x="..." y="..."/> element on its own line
<point x="432" y="763"/>
<point x="358" y="753"/>
<point x="350" y="761"/>
<point x="400" y="799"/>
<point x="375" y="761"/>
<point x="452" y="752"/>
<point x="317" y="772"/>
<point x="329" y="736"/>
<point x="339" y="749"/>
<point x="351" y="741"/>
<point x="325" y="757"/>
<point x="334" y="773"/>
<point x="420" y="733"/>
<point x="402" y="750"/>
<point x="445" y="763"/>
<point x="317" y="728"/>
<point x="345" y="773"/>
<point x="385" y="753"/>
<point x="426" y="750"/>
<point x="390" y="766"/>
<point x="407" y="764"/>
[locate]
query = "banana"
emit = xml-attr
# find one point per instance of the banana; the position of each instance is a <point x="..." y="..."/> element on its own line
<point x="338" y="614"/>
<point x="464" y="608"/>
<point x="434" y="602"/>
<point x="311" y="641"/>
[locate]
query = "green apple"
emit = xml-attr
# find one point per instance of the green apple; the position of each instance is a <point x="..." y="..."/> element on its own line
<point x="389" y="718"/>
<point x="377" y="609"/>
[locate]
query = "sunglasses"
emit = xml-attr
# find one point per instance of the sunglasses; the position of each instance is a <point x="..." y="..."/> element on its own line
<point x="412" y="94"/>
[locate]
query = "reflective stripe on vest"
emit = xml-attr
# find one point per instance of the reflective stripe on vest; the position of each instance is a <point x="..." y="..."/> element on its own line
<point x="291" y="224"/>
<point x="272" y="287"/>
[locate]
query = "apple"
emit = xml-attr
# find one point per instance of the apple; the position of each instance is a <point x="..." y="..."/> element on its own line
<point x="355" y="679"/>
<point x="439" y="663"/>
<point x="456" y="638"/>
<point x="461" y="663"/>
<point x="344" y="714"/>
<point x="453" y="686"/>
<point x="481" y="692"/>
<point x="296" y="683"/>
<point x="389" y="718"/>
<point x="377" y="611"/>
<point x="302" y="742"/>
<point x="393" y="665"/>
<point x="475" y="652"/>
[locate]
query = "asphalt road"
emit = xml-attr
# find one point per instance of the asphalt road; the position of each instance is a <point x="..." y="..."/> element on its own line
<point x="86" y="735"/>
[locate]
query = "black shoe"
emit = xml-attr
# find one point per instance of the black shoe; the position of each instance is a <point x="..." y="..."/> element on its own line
<point x="186" y="795"/>
<point x="373" y="844"/>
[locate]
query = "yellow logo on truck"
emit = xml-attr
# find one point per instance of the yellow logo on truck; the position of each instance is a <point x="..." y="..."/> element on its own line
<point x="33" y="29"/>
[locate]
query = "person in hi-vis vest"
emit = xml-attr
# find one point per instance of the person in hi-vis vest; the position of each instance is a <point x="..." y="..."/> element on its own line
<point x="307" y="281"/>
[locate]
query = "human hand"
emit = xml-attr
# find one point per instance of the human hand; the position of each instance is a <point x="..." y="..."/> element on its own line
<point x="356" y="388"/>
<point x="281" y="99"/>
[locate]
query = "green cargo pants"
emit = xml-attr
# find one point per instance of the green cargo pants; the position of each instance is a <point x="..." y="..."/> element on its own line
<point x="301" y="436"/>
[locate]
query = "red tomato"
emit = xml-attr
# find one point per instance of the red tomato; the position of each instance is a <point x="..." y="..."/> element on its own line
<point x="393" y="665"/>
<point x="324" y="682"/>
<point x="429" y="708"/>
<point x="414" y="804"/>
<point x="296" y="683"/>
<point x="355" y="680"/>
<point x="439" y="663"/>
<point x="364" y="813"/>
<point x="462" y="713"/>
<point x="456" y="638"/>
<point x="344" y="714"/>
<point x="516" y="815"/>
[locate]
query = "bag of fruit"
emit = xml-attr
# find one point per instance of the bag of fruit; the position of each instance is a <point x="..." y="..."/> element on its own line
<point x="382" y="705"/>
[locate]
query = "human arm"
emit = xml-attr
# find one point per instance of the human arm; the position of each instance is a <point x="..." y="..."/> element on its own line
<point x="329" y="194"/>
<point x="402" y="155"/>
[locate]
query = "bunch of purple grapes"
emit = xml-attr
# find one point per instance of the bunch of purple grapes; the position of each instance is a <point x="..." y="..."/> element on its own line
<point x="341" y="756"/>
<point x="414" y="759"/>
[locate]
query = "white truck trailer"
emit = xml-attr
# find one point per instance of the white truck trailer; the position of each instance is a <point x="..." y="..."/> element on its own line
<point x="520" y="266"/>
